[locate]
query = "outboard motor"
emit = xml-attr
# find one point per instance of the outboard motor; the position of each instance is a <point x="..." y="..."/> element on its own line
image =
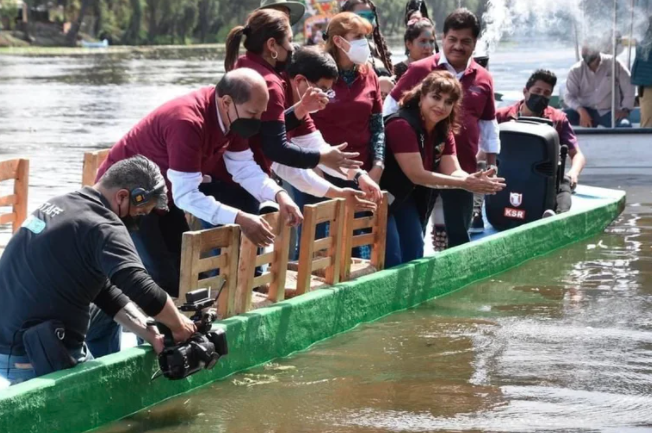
<point x="528" y="160"/>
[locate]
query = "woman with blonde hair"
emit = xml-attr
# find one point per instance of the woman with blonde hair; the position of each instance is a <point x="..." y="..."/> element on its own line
<point x="421" y="159"/>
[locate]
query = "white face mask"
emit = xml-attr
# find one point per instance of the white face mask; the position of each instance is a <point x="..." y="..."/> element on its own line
<point x="359" y="51"/>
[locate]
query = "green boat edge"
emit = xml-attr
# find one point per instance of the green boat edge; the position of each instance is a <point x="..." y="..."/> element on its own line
<point x="105" y="390"/>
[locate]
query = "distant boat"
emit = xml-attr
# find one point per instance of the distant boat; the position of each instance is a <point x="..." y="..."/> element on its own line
<point x="102" y="44"/>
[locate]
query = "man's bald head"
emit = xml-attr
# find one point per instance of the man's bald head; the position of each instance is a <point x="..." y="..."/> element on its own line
<point x="241" y="94"/>
<point x="242" y="85"/>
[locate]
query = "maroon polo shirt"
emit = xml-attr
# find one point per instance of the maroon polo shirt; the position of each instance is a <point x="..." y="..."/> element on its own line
<point x="559" y="121"/>
<point x="401" y="138"/>
<point x="346" y="117"/>
<point x="183" y="135"/>
<point x="477" y="103"/>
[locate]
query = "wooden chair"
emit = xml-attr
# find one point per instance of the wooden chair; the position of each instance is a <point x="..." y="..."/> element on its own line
<point x="92" y="162"/>
<point x="18" y="170"/>
<point x="194" y="247"/>
<point x="274" y="279"/>
<point x="353" y="267"/>
<point x="329" y="262"/>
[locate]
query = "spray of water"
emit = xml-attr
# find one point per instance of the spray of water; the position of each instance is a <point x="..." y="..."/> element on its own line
<point x="581" y="20"/>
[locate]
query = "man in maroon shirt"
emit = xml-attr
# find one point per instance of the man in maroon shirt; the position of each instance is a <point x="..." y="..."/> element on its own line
<point x="187" y="138"/>
<point x="537" y="93"/>
<point x="479" y="127"/>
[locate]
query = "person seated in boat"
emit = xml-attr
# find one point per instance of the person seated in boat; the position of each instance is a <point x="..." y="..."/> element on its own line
<point x="537" y="93"/>
<point x="294" y="10"/>
<point x="73" y="251"/>
<point x="588" y="91"/>
<point x="480" y="129"/>
<point x="642" y="76"/>
<point x="420" y="42"/>
<point x="421" y="160"/>
<point x="268" y="39"/>
<point x="187" y="137"/>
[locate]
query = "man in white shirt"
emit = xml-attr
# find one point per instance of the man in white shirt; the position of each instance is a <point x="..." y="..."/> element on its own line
<point x="589" y="90"/>
<point x="186" y="138"/>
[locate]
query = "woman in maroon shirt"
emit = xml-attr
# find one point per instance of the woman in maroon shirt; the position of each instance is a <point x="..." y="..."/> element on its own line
<point x="421" y="158"/>
<point x="268" y="39"/>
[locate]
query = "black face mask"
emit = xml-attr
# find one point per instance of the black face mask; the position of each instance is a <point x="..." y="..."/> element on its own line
<point x="132" y="223"/>
<point x="590" y="58"/>
<point x="245" y="128"/>
<point x="282" y="66"/>
<point x="537" y="103"/>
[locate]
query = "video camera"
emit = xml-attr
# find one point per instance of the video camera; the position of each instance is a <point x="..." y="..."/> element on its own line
<point x="202" y="349"/>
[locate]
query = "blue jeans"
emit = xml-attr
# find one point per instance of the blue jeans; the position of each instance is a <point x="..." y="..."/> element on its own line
<point x="404" y="234"/>
<point x="16" y="375"/>
<point x="605" y="120"/>
<point x="104" y="335"/>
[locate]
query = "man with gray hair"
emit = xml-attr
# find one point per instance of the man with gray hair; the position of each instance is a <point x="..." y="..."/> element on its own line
<point x="73" y="251"/>
<point x="199" y="141"/>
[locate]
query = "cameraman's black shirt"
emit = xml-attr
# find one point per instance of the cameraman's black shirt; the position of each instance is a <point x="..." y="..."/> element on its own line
<point x="59" y="262"/>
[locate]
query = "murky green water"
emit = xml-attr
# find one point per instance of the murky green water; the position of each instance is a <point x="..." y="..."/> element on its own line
<point x="563" y="343"/>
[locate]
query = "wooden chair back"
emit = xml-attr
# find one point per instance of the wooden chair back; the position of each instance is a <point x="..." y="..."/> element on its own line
<point x="92" y="162"/>
<point x="18" y="170"/>
<point x="194" y="262"/>
<point x="331" y="211"/>
<point x="376" y="239"/>
<point x="277" y="259"/>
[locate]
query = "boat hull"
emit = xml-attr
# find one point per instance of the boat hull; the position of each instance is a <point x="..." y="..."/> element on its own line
<point x="107" y="389"/>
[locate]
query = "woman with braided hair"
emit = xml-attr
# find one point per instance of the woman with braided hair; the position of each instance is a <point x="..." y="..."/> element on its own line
<point x="379" y="50"/>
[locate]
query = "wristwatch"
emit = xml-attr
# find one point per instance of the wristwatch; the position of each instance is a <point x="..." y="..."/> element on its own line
<point x="356" y="178"/>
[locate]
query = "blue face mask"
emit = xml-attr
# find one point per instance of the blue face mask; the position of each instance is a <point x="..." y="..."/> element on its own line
<point x="369" y="16"/>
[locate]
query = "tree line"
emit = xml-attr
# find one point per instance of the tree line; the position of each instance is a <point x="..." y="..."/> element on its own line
<point x="138" y="22"/>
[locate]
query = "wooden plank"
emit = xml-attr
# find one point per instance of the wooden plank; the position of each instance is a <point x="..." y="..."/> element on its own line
<point x="380" y="233"/>
<point x="215" y="238"/>
<point x="345" y="255"/>
<point x="321" y="263"/>
<point x="8" y="169"/>
<point x="363" y="222"/>
<point x="189" y="253"/>
<point x="332" y="273"/>
<point x="8" y="200"/>
<point x="92" y="163"/>
<point x="246" y="270"/>
<point x="265" y="258"/>
<point x="323" y="244"/>
<point x="360" y="240"/>
<point x="7" y="218"/>
<point x="307" y="246"/>
<point x="279" y="266"/>
<point x="213" y="283"/>
<point x="21" y="186"/>
<point x="211" y="263"/>
<point x="325" y="211"/>
<point x="266" y="278"/>
<point x="230" y="272"/>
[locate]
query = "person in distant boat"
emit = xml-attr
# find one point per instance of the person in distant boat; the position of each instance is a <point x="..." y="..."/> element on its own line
<point x="420" y="42"/>
<point x="294" y="10"/>
<point x="642" y="76"/>
<point x="187" y="138"/>
<point x="421" y="160"/>
<point x="588" y="91"/>
<point x="415" y="10"/>
<point x="478" y="118"/>
<point x="73" y="251"/>
<point x="537" y="93"/>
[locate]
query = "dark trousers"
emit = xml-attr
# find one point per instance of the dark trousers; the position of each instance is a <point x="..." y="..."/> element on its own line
<point x="598" y="120"/>
<point x="564" y="196"/>
<point x="458" y="212"/>
<point x="158" y="241"/>
<point x="404" y="234"/>
<point x="104" y="335"/>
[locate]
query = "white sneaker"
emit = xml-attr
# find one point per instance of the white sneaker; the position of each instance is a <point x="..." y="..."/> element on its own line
<point x="549" y="213"/>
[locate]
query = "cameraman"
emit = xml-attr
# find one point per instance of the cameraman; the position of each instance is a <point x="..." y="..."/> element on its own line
<point x="73" y="251"/>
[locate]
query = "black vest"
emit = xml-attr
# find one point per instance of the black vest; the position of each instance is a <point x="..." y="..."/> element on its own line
<point x="396" y="182"/>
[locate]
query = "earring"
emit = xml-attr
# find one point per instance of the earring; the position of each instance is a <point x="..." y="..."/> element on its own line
<point x="274" y="55"/>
